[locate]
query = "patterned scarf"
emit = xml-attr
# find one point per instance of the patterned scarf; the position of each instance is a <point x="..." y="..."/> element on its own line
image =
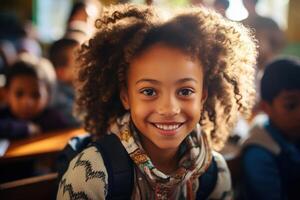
<point x="150" y="183"/>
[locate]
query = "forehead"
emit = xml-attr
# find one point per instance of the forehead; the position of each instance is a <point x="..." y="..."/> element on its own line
<point x="25" y="82"/>
<point x="289" y="95"/>
<point x="162" y="61"/>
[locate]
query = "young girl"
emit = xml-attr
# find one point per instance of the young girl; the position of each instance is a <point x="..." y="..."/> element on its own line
<point x="170" y="89"/>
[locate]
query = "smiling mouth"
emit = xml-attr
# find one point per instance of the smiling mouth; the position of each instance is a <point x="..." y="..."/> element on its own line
<point x="167" y="127"/>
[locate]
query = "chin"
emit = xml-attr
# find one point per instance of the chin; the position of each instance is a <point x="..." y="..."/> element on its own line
<point x="168" y="145"/>
<point x="28" y="116"/>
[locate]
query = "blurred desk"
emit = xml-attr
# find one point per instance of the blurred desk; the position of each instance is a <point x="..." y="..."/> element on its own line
<point x="47" y="144"/>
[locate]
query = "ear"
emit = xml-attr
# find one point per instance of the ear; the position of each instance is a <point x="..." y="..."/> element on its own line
<point x="265" y="107"/>
<point x="60" y="72"/>
<point x="204" y="95"/>
<point x="124" y="98"/>
<point x="5" y="94"/>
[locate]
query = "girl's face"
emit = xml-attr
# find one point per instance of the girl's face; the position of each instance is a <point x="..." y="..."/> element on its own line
<point x="164" y="95"/>
<point x="27" y="97"/>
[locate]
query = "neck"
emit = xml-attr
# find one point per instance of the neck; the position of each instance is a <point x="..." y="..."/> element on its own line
<point x="165" y="160"/>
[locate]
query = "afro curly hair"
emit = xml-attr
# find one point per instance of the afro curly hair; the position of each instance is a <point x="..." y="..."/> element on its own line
<point x="227" y="51"/>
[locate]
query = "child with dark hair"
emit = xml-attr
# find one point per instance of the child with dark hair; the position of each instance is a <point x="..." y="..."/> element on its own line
<point x="167" y="91"/>
<point x="62" y="54"/>
<point x="221" y="6"/>
<point x="274" y="143"/>
<point x="270" y="36"/>
<point x="82" y="16"/>
<point x="28" y="90"/>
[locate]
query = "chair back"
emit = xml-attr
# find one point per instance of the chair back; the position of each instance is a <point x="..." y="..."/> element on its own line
<point x="41" y="187"/>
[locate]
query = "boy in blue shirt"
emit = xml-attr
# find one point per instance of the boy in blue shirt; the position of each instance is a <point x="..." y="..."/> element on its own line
<point x="271" y="155"/>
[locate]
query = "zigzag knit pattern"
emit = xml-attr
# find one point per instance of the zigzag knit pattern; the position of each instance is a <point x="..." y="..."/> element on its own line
<point x="73" y="195"/>
<point x="89" y="174"/>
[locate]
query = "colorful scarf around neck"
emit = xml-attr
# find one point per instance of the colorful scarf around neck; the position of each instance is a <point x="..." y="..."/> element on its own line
<point x="195" y="157"/>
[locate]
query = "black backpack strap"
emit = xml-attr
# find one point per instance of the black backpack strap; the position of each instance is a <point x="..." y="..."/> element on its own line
<point x="208" y="181"/>
<point x="75" y="145"/>
<point x="119" y="167"/>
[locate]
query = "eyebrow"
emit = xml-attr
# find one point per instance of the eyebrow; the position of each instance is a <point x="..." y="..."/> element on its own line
<point x="156" y="82"/>
<point x="292" y="92"/>
<point x="290" y="96"/>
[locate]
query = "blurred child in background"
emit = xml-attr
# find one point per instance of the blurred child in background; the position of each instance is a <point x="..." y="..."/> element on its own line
<point x="221" y="6"/>
<point x="28" y="91"/>
<point x="62" y="54"/>
<point x="274" y="143"/>
<point x="83" y="15"/>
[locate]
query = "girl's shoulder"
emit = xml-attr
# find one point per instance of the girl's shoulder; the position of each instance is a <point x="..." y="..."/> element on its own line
<point x="223" y="186"/>
<point x="221" y="163"/>
<point x="85" y="178"/>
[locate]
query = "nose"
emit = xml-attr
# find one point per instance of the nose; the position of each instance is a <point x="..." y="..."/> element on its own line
<point x="27" y="102"/>
<point x="168" y="105"/>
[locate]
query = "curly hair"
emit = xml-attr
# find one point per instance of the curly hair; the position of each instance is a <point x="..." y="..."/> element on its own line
<point x="226" y="50"/>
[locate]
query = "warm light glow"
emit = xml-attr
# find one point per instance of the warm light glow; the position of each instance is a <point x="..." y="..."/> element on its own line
<point x="45" y="143"/>
<point x="236" y="10"/>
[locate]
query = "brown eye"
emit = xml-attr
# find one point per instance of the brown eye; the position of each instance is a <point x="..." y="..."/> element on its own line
<point x="185" y="92"/>
<point x="291" y="106"/>
<point x="19" y="93"/>
<point x="36" y="95"/>
<point x="148" y="92"/>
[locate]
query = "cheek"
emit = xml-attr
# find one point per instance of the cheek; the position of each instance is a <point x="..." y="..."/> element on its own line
<point x="43" y="102"/>
<point x="284" y="119"/>
<point x="141" y="109"/>
<point x="13" y="101"/>
<point x="193" y="109"/>
<point x="292" y="119"/>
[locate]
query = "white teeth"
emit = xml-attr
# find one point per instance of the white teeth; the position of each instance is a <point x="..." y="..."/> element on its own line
<point x="167" y="127"/>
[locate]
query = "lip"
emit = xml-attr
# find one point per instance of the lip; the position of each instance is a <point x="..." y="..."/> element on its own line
<point x="26" y="115"/>
<point x="167" y="128"/>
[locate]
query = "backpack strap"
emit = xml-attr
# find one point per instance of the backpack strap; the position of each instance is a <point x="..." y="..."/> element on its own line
<point x="74" y="146"/>
<point x="207" y="181"/>
<point x="258" y="135"/>
<point x="119" y="167"/>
